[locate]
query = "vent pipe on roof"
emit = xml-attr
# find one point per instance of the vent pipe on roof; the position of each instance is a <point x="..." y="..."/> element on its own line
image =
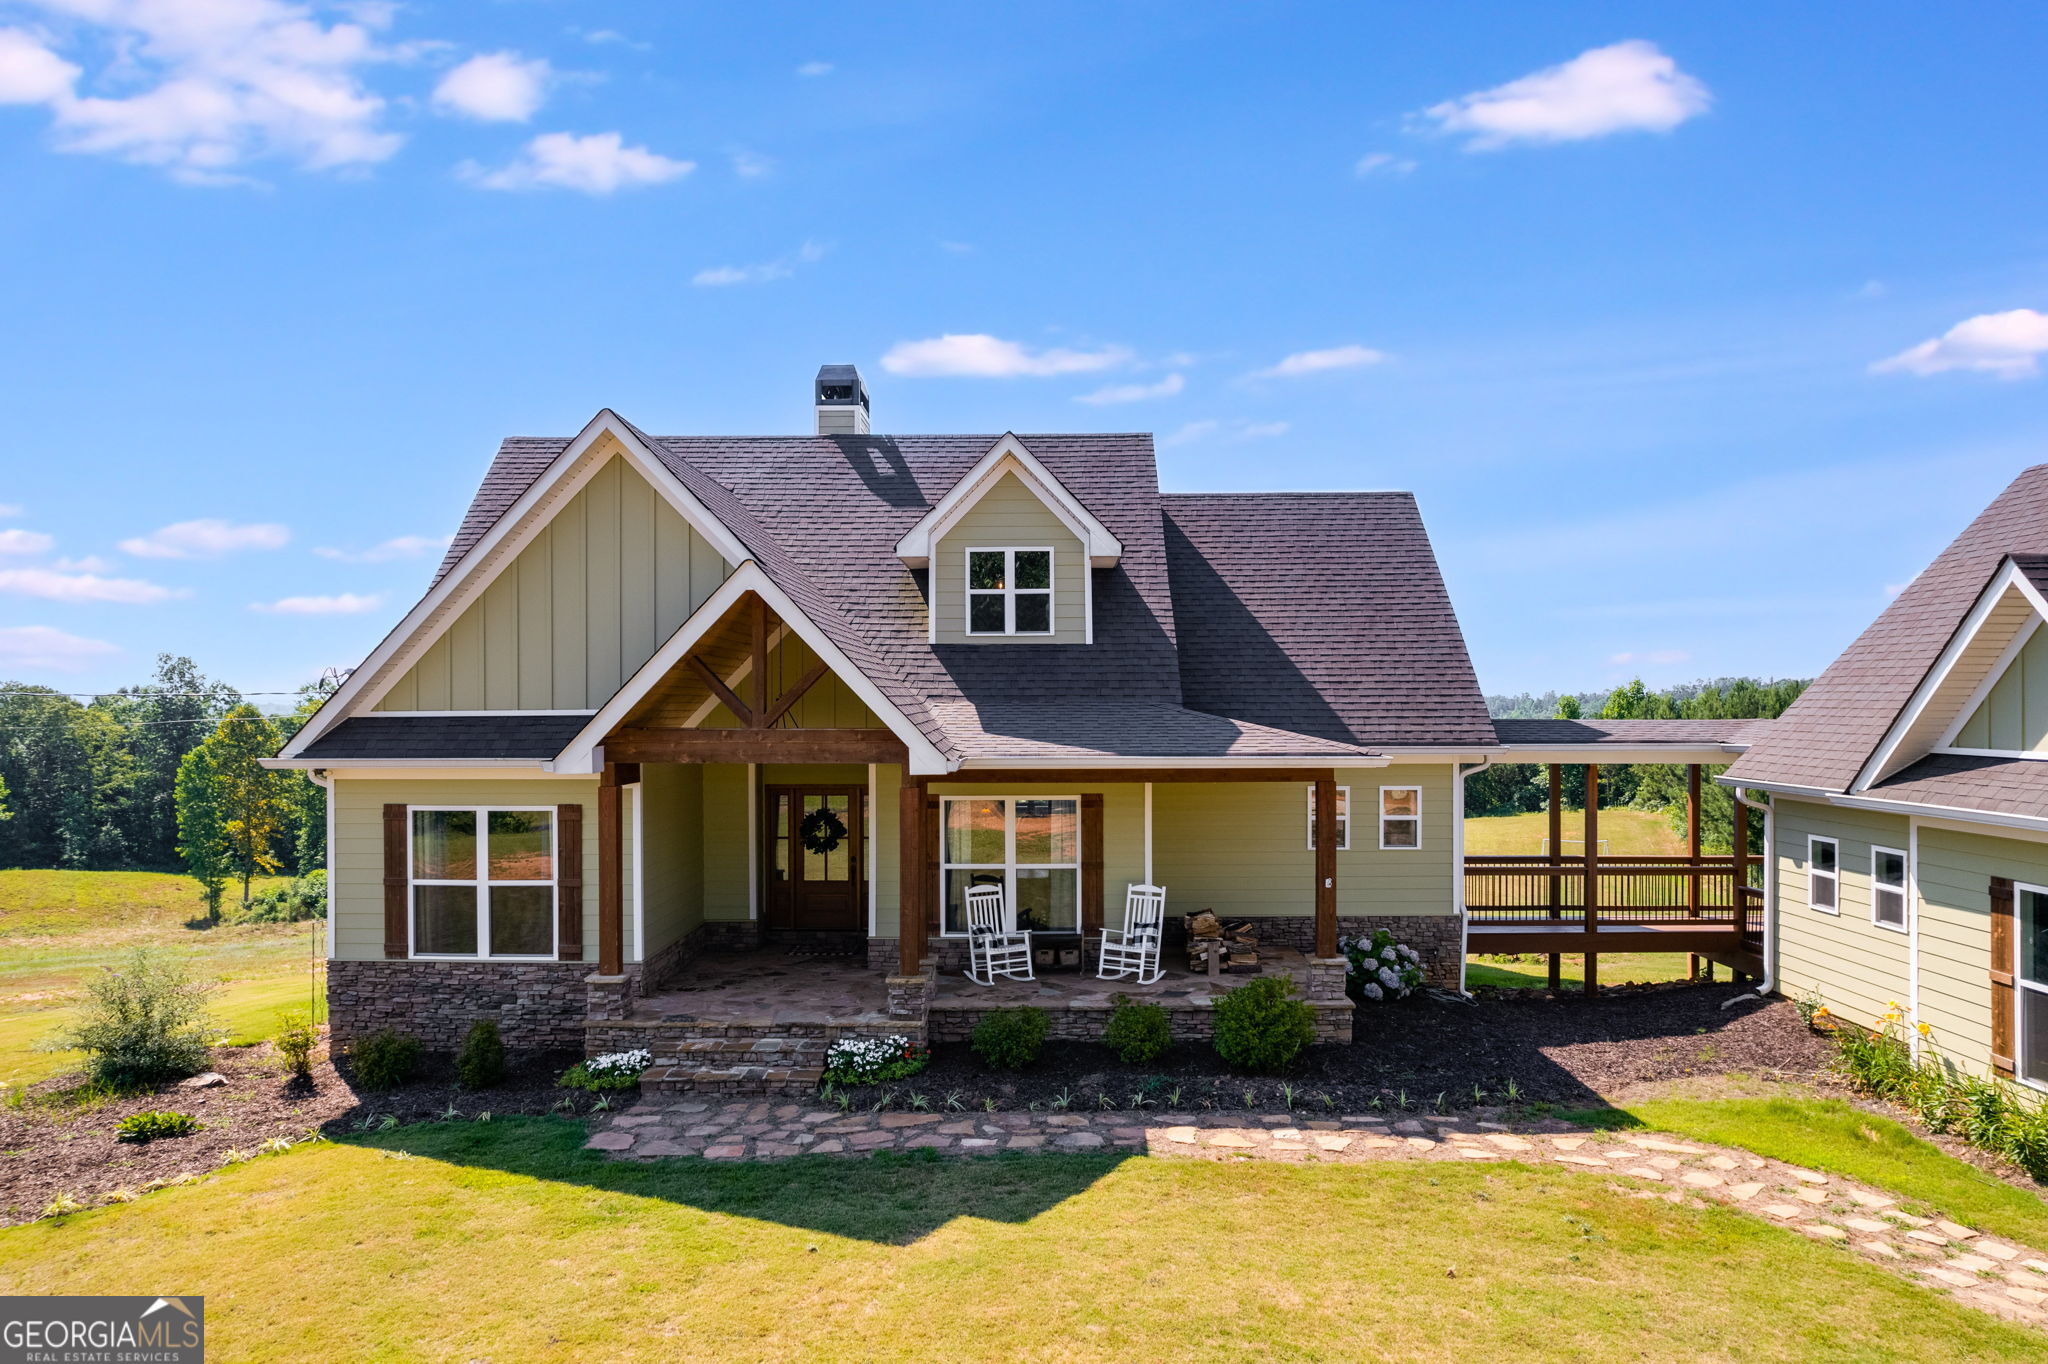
<point x="842" y="401"/>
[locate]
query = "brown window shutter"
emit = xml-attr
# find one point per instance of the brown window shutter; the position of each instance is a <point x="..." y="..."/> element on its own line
<point x="569" y="882"/>
<point x="1091" y="867"/>
<point x="397" y="888"/>
<point x="2001" y="976"/>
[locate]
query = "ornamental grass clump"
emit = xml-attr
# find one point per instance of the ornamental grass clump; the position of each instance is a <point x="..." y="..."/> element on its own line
<point x="1381" y="968"/>
<point x="873" y="1060"/>
<point x="1137" y="1033"/>
<point x="1262" y="1026"/>
<point x="1009" y="1039"/>
<point x="142" y="1025"/>
<point x="609" y="1073"/>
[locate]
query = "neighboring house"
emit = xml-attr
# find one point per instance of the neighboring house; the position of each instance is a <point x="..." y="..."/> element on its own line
<point x="674" y="694"/>
<point x="1908" y="790"/>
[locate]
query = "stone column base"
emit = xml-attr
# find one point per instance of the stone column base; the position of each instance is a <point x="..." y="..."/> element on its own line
<point x="910" y="997"/>
<point x="607" y="997"/>
<point x="1326" y="979"/>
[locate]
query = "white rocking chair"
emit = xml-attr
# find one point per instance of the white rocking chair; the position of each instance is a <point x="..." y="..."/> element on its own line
<point x="992" y="949"/>
<point x="1134" y="948"/>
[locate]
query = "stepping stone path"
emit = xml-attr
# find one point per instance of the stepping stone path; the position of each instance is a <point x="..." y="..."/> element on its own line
<point x="2006" y="1280"/>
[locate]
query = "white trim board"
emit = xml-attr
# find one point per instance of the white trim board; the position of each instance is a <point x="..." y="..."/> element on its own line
<point x="1009" y="456"/>
<point x="476" y="570"/>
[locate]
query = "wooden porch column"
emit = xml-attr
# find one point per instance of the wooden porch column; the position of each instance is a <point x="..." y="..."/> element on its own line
<point x="1692" y="837"/>
<point x="1592" y="876"/>
<point x="910" y="877"/>
<point x="1740" y="849"/>
<point x="1326" y="867"/>
<point x="1091" y="874"/>
<point x="611" y="898"/>
<point x="1556" y="859"/>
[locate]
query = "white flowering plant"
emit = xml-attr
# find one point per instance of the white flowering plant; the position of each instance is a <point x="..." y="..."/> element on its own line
<point x="614" y="1070"/>
<point x="1381" y="968"/>
<point x="873" y="1060"/>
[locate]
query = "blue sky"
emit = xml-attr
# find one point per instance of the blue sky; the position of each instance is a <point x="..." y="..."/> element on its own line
<point x="1697" y="330"/>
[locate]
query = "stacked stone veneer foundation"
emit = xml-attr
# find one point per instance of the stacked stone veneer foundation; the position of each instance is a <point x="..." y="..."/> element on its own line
<point x="538" y="1005"/>
<point x="1438" y="938"/>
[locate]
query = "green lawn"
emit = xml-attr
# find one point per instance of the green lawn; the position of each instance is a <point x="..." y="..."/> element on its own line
<point x="1616" y="968"/>
<point x="504" y="1241"/>
<point x="1623" y="831"/>
<point x="57" y="927"/>
<point x="1830" y="1135"/>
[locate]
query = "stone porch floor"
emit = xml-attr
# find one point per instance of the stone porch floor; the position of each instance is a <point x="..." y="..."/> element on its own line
<point x="1068" y="989"/>
<point x="767" y="987"/>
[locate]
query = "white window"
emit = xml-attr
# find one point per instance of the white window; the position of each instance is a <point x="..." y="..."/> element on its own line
<point x="483" y="883"/>
<point x="1888" y="888"/>
<point x="1028" y="845"/>
<point x="1823" y="874"/>
<point x="2030" y="982"/>
<point x="1343" y="819"/>
<point x="1009" y="591"/>
<point x="1400" y="816"/>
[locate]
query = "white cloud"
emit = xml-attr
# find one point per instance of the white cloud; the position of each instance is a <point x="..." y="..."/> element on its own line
<point x="1655" y="658"/>
<point x="815" y="69"/>
<point x="597" y="164"/>
<point x="495" y="87"/>
<point x="340" y="604"/>
<point x="208" y="85"/>
<point x="1133" y="393"/>
<point x="1263" y="430"/>
<point x="11" y="509"/>
<point x="1626" y="87"/>
<point x="1238" y="430"/>
<point x="2007" y="344"/>
<point x="1191" y="432"/>
<point x="980" y="356"/>
<point x="782" y="267"/>
<point x="25" y="542"/>
<point x="751" y="165"/>
<point x="1322" y="361"/>
<point x="397" y="547"/>
<point x="1382" y="163"/>
<point x="51" y="585"/>
<point x="85" y="563"/>
<point x="206" y="538"/>
<point x="40" y="646"/>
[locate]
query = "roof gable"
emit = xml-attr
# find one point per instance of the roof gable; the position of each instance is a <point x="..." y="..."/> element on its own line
<point x="1008" y="457"/>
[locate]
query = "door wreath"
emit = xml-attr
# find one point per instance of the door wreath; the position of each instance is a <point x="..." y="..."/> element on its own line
<point x="822" y="831"/>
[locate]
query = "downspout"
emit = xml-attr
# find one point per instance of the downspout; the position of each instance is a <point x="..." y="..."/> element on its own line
<point x="1458" y="866"/>
<point x="1770" y="981"/>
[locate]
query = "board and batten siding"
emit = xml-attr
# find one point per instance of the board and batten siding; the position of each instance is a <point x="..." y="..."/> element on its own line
<point x="356" y="863"/>
<point x="1009" y="516"/>
<point x="1241" y="848"/>
<point x="2013" y="718"/>
<point x="1855" y="967"/>
<point x="593" y="595"/>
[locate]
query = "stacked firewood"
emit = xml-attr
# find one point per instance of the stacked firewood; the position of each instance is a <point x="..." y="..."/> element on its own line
<point x="1236" y="938"/>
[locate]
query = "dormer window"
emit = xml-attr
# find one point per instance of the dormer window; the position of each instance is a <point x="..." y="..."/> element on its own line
<point x="1009" y="591"/>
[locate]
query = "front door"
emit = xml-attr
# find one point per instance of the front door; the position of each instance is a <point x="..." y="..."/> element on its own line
<point x="813" y="859"/>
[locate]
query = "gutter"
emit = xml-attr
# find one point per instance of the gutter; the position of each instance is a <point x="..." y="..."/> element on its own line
<point x="1458" y="870"/>
<point x="1769" y="984"/>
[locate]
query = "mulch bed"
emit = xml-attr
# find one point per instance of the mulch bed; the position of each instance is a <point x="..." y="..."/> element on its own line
<point x="1424" y="1052"/>
<point x="50" y="1145"/>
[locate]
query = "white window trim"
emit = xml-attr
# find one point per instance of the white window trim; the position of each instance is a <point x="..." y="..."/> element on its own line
<point x="1384" y="817"/>
<point x="482" y="883"/>
<point x="1835" y="876"/>
<point x="1905" y="924"/>
<point x="1343" y="819"/>
<point x="2019" y="983"/>
<point x="1009" y="590"/>
<point x="1009" y="865"/>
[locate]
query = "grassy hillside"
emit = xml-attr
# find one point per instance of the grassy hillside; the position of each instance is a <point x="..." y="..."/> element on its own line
<point x="1623" y="831"/>
<point x="56" y="927"/>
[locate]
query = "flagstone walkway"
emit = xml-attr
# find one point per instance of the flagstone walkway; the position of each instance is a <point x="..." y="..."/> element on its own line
<point x="1996" y="1276"/>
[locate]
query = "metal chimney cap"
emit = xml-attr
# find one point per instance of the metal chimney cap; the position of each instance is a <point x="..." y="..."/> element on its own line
<point x="840" y="386"/>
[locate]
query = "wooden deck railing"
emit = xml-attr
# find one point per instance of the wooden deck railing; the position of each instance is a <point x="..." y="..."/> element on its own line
<point x="1532" y="889"/>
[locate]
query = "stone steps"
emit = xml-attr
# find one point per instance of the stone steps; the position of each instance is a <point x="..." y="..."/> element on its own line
<point x="737" y="1066"/>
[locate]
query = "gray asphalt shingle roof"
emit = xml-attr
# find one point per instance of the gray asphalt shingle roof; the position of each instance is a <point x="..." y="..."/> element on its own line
<point x="1562" y="732"/>
<point x="447" y="736"/>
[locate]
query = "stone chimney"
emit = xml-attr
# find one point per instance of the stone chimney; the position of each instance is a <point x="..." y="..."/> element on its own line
<point x="842" y="401"/>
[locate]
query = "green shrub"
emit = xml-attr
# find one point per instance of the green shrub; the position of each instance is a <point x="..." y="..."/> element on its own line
<point x="297" y="900"/>
<point x="1261" y="1026"/>
<point x="384" y="1060"/>
<point x="142" y="1025"/>
<point x="481" y="1062"/>
<point x="296" y="1038"/>
<point x="155" y="1123"/>
<point x="1137" y="1033"/>
<point x="1009" y="1039"/>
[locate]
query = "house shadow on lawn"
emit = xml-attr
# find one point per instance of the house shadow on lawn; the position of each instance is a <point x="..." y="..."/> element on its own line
<point x="888" y="1198"/>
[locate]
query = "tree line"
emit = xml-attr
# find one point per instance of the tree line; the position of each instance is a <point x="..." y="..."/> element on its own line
<point x="1518" y="788"/>
<point x="158" y="776"/>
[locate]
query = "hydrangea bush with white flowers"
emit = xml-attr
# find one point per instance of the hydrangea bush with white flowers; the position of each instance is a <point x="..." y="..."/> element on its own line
<point x="1381" y="968"/>
<point x="873" y="1060"/>
<point x="613" y="1070"/>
